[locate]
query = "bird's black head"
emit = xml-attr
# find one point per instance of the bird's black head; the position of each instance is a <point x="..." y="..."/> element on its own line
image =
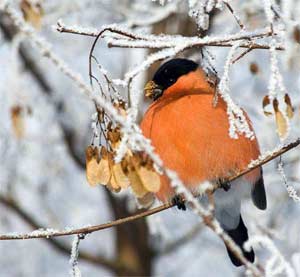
<point x="170" y="71"/>
<point x="167" y="75"/>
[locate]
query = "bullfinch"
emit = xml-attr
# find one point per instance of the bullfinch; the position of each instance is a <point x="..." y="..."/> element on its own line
<point x="191" y="135"/>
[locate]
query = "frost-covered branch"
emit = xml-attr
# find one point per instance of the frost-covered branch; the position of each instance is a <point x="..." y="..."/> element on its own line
<point x="290" y="189"/>
<point x="48" y="233"/>
<point x="47" y="52"/>
<point x="129" y="39"/>
<point x="238" y="123"/>
<point x="169" y="46"/>
<point x="97" y="260"/>
<point x="157" y="14"/>
<point x="210" y="220"/>
<point x="276" y="264"/>
<point x="78" y="30"/>
<point x="235" y="15"/>
<point x="75" y="271"/>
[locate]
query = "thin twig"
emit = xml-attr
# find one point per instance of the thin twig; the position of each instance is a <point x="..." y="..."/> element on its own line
<point x="44" y="233"/>
<point x="55" y="243"/>
<point x="267" y="158"/>
<point x="242" y="55"/>
<point x="75" y="271"/>
<point x="212" y="44"/>
<point x="237" y="19"/>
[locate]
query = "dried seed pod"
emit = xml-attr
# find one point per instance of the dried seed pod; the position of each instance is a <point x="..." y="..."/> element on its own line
<point x="136" y="184"/>
<point x="97" y="170"/>
<point x="114" y="135"/>
<point x="17" y="119"/>
<point x="114" y="189"/>
<point x="266" y="102"/>
<point x="92" y="157"/>
<point x="32" y="13"/>
<point x="289" y="107"/>
<point x="121" y="107"/>
<point x="118" y="177"/>
<point x="109" y="126"/>
<point x="150" y="179"/>
<point x="100" y="114"/>
<point x="143" y="166"/>
<point x="104" y="172"/>
<point x="147" y="200"/>
<point x="281" y="122"/>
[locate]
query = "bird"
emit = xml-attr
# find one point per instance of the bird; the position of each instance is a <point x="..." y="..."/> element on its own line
<point x="191" y="135"/>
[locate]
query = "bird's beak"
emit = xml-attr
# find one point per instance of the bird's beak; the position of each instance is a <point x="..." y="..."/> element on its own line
<point x="152" y="90"/>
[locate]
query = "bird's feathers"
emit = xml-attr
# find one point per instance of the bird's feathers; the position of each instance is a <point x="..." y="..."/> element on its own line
<point x="258" y="193"/>
<point x="228" y="203"/>
<point x="240" y="236"/>
<point x="191" y="137"/>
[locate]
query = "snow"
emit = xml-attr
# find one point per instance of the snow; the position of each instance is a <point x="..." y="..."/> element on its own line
<point x="75" y="271"/>
<point x="276" y="264"/>
<point x="237" y="120"/>
<point x="290" y="189"/>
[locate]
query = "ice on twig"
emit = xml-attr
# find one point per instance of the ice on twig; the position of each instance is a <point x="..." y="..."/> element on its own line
<point x="75" y="271"/>
<point x="290" y="189"/>
<point x="276" y="264"/>
<point x="238" y="123"/>
<point x="61" y="27"/>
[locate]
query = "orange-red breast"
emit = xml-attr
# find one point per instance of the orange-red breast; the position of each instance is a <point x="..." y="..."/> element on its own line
<point x="191" y="136"/>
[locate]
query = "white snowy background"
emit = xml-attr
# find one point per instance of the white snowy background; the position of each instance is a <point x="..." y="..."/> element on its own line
<point x="39" y="173"/>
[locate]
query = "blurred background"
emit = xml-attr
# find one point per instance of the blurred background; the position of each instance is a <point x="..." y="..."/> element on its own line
<point x="46" y="126"/>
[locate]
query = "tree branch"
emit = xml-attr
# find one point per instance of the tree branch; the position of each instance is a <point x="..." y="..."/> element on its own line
<point x="44" y="233"/>
<point x="171" y="46"/>
<point x="61" y="247"/>
<point x="160" y="42"/>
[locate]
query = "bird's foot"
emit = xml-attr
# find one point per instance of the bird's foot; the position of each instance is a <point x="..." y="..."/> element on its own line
<point x="179" y="202"/>
<point x="224" y="184"/>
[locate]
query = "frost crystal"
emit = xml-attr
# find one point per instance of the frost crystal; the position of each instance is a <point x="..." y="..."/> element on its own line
<point x="268" y="10"/>
<point x="199" y="10"/>
<point x="237" y="119"/>
<point x="290" y="189"/>
<point x="276" y="264"/>
<point x="75" y="271"/>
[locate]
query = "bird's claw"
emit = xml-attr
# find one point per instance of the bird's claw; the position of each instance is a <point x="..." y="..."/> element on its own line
<point x="179" y="202"/>
<point x="224" y="184"/>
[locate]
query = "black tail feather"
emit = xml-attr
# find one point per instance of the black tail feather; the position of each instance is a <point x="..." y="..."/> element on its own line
<point x="259" y="194"/>
<point x="240" y="235"/>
